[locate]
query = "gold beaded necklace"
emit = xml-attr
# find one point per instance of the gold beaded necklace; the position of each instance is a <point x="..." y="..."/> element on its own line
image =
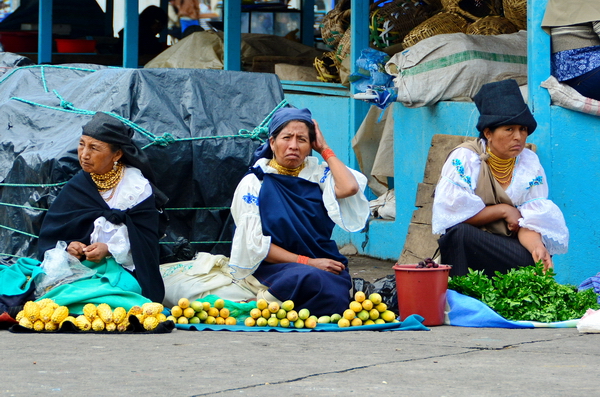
<point x="284" y="170"/>
<point x="109" y="180"/>
<point x="501" y="169"/>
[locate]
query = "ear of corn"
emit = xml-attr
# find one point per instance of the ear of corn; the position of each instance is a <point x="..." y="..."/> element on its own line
<point x="25" y="322"/>
<point x="38" y="325"/>
<point x="119" y="315"/>
<point x="46" y="313"/>
<point x="97" y="324"/>
<point x="152" y="308"/>
<point x="122" y="326"/>
<point x="60" y="313"/>
<point x="111" y="327"/>
<point x="105" y="313"/>
<point x="20" y="315"/>
<point x="90" y="312"/>
<point x="150" y="323"/>
<point x="44" y="302"/>
<point x="83" y="323"/>
<point x="31" y="311"/>
<point x="50" y="326"/>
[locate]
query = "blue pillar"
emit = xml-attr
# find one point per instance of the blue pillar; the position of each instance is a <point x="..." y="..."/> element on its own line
<point x="45" y="32"/>
<point x="308" y="23"/>
<point x="232" y="15"/>
<point x="359" y="26"/>
<point x="130" y="41"/>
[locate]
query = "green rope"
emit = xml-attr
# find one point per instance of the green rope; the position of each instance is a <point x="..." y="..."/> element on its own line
<point x="263" y="127"/>
<point x="32" y="184"/>
<point x="42" y="68"/>
<point x="19" y="231"/>
<point x="27" y="207"/>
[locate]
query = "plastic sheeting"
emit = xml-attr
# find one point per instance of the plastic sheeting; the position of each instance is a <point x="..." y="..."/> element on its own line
<point x="198" y="165"/>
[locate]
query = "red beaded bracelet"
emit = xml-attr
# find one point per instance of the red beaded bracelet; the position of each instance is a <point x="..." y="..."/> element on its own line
<point x="327" y="153"/>
<point x="302" y="259"/>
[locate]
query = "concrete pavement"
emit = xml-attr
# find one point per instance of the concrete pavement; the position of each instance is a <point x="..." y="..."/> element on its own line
<point x="445" y="361"/>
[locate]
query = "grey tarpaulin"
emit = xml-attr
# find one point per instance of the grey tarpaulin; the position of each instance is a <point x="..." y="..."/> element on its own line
<point x="40" y="126"/>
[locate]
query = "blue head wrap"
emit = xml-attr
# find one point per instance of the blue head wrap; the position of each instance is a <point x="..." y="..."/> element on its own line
<point x="280" y="117"/>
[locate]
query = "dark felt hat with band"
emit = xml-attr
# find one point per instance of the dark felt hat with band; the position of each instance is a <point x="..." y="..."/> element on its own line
<point x="501" y="103"/>
<point x="108" y="129"/>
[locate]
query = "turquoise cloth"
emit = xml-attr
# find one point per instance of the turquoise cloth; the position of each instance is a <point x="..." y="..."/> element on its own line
<point x="411" y="323"/>
<point x="17" y="278"/>
<point x="112" y="285"/>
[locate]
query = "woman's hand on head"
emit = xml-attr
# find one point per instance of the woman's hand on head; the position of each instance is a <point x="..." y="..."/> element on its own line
<point x="76" y="249"/>
<point x="319" y="144"/>
<point x="96" y="252"/>
<point x="329" y="265"/>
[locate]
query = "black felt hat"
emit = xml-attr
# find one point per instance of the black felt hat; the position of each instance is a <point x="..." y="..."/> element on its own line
<point x="501" y="103"/>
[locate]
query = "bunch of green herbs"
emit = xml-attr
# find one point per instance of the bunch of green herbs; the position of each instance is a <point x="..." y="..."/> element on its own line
<point x="526" y="293"/>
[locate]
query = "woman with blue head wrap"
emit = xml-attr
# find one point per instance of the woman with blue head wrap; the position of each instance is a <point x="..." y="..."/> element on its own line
<point x="285" y="210"/>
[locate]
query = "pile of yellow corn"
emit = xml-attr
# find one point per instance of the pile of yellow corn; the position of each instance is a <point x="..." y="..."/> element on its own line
<point x="46" y="315"/>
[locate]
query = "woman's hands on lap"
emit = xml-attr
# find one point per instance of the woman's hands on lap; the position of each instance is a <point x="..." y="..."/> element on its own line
<point x="93" y="252"/>
<point x="329" y="265"/>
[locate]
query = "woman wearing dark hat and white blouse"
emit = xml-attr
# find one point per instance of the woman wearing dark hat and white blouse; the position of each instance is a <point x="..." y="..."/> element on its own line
<point x="108" y="214"/>
<point x="285" y="210"/>
<point x="491" y="202"/>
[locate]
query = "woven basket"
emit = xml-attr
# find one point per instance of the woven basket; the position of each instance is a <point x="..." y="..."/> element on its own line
<point x="328" y="68"/>
<point x="472" y="10"/>
<point x="392" y="21"/>
<point x="492" y="25"/>
<point x="343" y="48"/>
<point x="440" y="23"/>
<point x="516" y="12"/>
<point x="335" y="23"/>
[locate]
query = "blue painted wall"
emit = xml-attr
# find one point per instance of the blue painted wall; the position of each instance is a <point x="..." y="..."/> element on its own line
<point x="568" y="146"/>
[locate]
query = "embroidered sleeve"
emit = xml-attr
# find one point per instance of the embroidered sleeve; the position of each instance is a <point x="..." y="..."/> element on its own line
<point x="455" y="200"/>
<point x="249" y="247"/>
<point x="350" y="213"/>
<point x="538" y="213"/>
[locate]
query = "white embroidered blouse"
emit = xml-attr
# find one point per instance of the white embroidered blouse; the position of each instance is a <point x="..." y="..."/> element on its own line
<point x="132" y="190"/>
<point x="455" y="199"/>
<point x="250" y="247"/>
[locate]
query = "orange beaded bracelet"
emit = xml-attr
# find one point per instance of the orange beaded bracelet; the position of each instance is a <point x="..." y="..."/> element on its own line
<point x="327" y="153"/>
<point x="302" y="259"/>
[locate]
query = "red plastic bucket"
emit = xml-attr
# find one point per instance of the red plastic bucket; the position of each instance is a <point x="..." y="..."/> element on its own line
<point x="422" y="291"/>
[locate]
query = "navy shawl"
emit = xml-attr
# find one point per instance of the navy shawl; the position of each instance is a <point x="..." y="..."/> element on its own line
<point x="293" y="214"/>
<point x="71" y="218"/>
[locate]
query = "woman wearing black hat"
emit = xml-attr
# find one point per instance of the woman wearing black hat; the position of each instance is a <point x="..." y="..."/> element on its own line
<point x="285" y="210"/>
<point x="491" y="202"/>
<point x="108" y="214"/>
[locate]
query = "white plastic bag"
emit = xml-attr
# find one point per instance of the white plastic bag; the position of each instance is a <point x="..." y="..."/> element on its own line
<point x="60" y="268"/>
<point x="590" y="322"/>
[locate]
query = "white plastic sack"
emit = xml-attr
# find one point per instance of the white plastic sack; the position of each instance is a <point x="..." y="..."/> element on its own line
<point x="206" y="275"/>
<point x="384" y="206"/>
<point x="567" y="97"/>
<point x="590" y="322"/>
<point x="455" y="66"/>
<point x="60" y="268"/>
